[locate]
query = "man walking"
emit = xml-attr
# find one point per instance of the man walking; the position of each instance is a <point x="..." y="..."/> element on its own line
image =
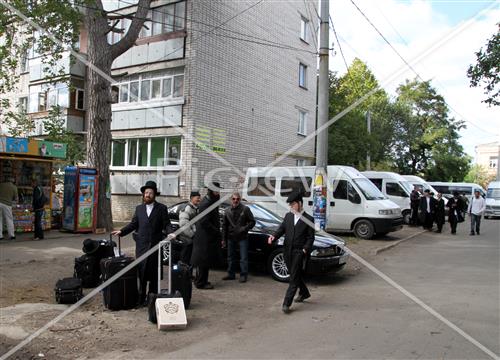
<point x="427" y="209"/>
<point x="187" y="235"/>
<point x="238" y="221"/>
<point x="455" y="206"/>
<point x="150" y="223"/>
<point x="414" y="204"/>
<point x="439" y="212"/>
<point x="38" y="204"/>
<point x="8" y="194"/>
<point x="298" y="228"/>
<point x="476" y="208"/>
<point x="207" y="238"/>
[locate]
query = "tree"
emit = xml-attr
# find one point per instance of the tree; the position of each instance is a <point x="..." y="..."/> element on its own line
<point x="478" y="174"/>
<point x="427" y="138"/>
<point x="64" y="20"/>
<point x="485" y="71"/>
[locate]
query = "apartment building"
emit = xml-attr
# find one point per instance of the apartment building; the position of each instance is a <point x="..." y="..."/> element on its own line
<point x="210" y="88"/>
<point x="487" y="156"/>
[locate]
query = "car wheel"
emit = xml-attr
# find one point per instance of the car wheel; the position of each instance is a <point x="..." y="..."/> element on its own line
<point x="406" y="217"/>
<point x="277" y="267"/>
<point x="363" y="229"/>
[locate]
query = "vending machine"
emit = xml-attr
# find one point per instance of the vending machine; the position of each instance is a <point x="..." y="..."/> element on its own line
<point x="80" y="199"/>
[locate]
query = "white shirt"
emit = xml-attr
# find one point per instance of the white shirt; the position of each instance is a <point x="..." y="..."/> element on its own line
<point x="297" y="216"/>
<point x="477" y="206"/>
<point x="428" y="204"/>
<point x="149" y="208"/>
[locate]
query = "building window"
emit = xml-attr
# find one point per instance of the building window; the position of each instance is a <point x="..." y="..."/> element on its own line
<point x="302" y="75"/>
<point x="300" y="162"/>
<point x="302" y="123"/>
<point x="155" y="152"/>
<point x="304" y="23"/>
<point x="151" y="87"/>
<point x="24" y="62"/>
<point x="43" y="97"/>
<point x="164" y="19"/>
<point x="23" y="104"/>
<point x="79" y="99"/>
<point x="493" y="162"/>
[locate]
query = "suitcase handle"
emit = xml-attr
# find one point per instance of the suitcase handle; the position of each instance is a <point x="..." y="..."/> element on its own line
<point x="119" y="243"/>
<point x="160" y="264"/>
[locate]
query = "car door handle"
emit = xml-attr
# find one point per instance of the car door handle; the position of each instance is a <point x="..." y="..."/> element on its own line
<point x="332" y="203"/>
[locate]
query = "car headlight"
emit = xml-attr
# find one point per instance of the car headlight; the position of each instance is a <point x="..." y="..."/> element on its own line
<point x="390" y="212"/>
<point x="329" y="251"/>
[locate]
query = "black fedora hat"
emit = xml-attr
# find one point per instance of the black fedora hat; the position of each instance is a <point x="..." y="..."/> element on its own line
<point x="294" y="196"/>
<point x="150" y="185"/>
<point x="214" y="186"/>
<point x="90" y="246"/>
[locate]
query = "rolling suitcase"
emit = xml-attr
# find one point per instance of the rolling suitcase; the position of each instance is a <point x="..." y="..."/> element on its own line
<point x="87" y="269"/>
<point x="181" y="281"/>
<point x="168" y="303"/>
<point x="121" y="294"/>
<point x="68" y="290"/>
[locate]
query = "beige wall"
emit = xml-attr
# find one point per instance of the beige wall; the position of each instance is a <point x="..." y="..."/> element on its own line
<point x="487" y="156"/>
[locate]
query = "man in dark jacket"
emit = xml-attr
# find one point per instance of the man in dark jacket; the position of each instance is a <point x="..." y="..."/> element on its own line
<point x="298" y="228"/>
<point x="38" y="204"/>
<point x="439" y="212"/>
<point x="414" y="203"/>
<point x="238" y="221"/>
<point x="456" y="208"/>
<point x="427" y="209"/>
<point x="207" y="239"/>
<point x="151" y="224"/>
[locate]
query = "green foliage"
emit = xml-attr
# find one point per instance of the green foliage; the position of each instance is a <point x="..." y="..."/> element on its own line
<point x="478" y="174"/>
<point x="485" y="71"/>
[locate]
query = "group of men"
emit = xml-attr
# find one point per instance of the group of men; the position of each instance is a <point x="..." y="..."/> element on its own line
<point x="426" y="210"/>
<point x="202" y="238"/>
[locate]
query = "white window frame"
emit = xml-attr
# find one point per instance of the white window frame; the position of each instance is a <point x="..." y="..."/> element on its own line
<point x="303" y="75"/>
<point x="304" y="23"/>
<point x="149" y="166"/>
<point x="302" y="127"/>
<point x="300" y="162"/>
<point x="81" y="91"/>
<point x="150" y="79"/>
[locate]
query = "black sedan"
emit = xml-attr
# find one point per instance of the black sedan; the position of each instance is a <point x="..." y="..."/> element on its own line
<point x="328" y="253"/>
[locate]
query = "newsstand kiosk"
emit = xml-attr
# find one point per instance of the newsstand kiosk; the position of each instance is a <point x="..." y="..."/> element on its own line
<point x="80" y="199"/>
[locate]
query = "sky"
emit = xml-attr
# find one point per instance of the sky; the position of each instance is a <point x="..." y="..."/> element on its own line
<point x="439" y="38"/>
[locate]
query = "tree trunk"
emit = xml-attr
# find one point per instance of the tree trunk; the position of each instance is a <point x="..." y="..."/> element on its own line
<point x="98" y="114"/>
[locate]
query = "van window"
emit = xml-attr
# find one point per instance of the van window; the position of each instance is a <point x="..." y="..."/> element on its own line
<point x="369" y="190"/>
<point x="344" y="190"/>
<point x="394" y="189"/>
<point x="467" y="190"/>
<point x="261" y="186"/>
<point x="289" y="184"/>
<point x="493" y="194"/>
<point x="443" y="189"/>
<point x="377" y="183"/>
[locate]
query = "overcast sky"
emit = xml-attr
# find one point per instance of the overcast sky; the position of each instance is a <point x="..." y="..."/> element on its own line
<point x="447" y="33"/>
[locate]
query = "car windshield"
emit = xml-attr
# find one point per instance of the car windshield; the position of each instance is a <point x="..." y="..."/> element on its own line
<point x="370" y="191"/>
<point x="407" y="185"/>
<point x="262" y="213"/>
<point x="493" y="194"/>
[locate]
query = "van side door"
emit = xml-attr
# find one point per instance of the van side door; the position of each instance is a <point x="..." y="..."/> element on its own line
<point x="344" y="205"/>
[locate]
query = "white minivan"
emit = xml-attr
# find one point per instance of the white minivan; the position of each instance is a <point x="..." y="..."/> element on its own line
<point x="492" y="200"/>
<point x="449" y="188"/>
<point x="395" y="187"/>
<point x="354" y="204"/>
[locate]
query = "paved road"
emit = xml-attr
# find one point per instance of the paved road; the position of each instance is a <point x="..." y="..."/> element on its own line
<point x="363" y="317"/>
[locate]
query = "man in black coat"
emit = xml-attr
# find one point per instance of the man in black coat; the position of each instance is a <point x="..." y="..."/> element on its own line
<point x="298" y="228"/>
<point x="151" y="224"/>
<point x="427" y="209"/>
<point x="207" y="239"/>
<point x="456" y="208"/>
<point x="439" y="212"/>
<point x="414" y="203"/>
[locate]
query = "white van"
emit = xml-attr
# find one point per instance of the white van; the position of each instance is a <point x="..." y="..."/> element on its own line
<point x="354" y="204"/>
<point x="492" y="200"/>
<point x="449" y="188"/>
<point x="395" y="187"/>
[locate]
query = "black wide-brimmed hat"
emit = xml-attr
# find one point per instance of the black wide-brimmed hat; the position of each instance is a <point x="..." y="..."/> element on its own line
<point x="150" y="185"/>
<point x="90" y="246"/>
<point x="214" y="186"/>
<point x="294" y="196"/>
<point x="194" y="193"/>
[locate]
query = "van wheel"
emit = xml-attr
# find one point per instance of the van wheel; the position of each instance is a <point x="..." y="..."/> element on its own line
<point x="363" y="229"/>
<point x="277" y="267"/>
<point x="406" y="217"/>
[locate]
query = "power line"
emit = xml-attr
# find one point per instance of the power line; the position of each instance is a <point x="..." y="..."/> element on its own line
<point x="409" y="65"/>
<point x="338" y="42"/>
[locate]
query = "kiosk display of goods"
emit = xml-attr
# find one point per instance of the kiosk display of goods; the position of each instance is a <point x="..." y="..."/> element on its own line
<point x="24" y="160"/>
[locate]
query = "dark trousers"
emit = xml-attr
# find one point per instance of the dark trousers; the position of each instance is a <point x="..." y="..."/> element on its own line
<point x="201" y="277"/>
<point x="428" y="220"/>
<point x="38" y="224"/>
<point x="453" y="223"/>
<point x="296" y="281"/>
<point x="148" y="277"/>
<point x="439" y="223"/>
<point x="414" y="215"/>
<point x="232" y="256"/>
<point x="186" y="252"/>
<point x="475" y="223"/>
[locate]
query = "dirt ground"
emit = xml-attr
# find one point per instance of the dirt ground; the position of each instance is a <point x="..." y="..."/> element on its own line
<point x="94" y="332"/>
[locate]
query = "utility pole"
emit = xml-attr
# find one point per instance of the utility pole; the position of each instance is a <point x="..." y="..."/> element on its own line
<point x="320" y="179"/>
<point x="369" y="127"/>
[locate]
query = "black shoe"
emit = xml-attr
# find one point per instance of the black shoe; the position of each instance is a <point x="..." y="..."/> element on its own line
<point x="301" y="298"/>
<point x="207" y="286"/>
<point x="229" y="277"/>
<point x="285" y="309"/>
<point x="471" y="234"/>
<point x="13" y="238"/>
<point x="243" y="278"/>
<point x="477" y="232"/>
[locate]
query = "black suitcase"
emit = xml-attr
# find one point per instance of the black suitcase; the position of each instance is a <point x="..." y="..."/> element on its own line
<point x="170" y="293"/>
<point x="121" y="294"/>
<point x="68" y="290"/>
<point x="87" y="269"/>
<point x="181" y="281"/>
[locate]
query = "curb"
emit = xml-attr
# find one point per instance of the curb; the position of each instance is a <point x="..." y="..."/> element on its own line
<point x="396" y="243"/>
